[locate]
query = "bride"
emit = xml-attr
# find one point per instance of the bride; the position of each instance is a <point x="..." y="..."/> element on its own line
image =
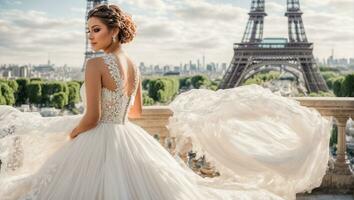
<point x="264" y="145"/>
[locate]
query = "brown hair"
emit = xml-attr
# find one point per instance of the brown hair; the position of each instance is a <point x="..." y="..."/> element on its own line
<point x="113" y="17"/>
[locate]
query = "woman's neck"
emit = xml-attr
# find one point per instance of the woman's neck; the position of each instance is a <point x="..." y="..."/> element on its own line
<point x="115" y="47"/>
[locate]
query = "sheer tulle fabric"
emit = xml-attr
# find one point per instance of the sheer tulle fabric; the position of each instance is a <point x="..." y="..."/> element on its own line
<point x="254" y="136"/>
<point x="265" y="146"/>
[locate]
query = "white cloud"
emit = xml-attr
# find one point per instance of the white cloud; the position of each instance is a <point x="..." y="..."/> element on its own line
<point x="340" y="7"/>
<point x="37" y="20"/>
<point x="12" y="2"/>
<point x="315" y="3"/>
<point x="202" y="11"/>
<point x="79" y="10"/>
<point x="274" y="8"/>
<point x="30" y="33"/>
<point x="190" y="29"/>
<point x="174" y="31"/>
<point x="144" y="4"/>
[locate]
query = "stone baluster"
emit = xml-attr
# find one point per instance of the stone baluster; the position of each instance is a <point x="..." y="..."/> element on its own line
<point x="341" y="165"/>
<point x="341" y="178"/>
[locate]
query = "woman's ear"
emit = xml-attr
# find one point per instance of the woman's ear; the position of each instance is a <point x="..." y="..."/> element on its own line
<point x="115" y="32"/>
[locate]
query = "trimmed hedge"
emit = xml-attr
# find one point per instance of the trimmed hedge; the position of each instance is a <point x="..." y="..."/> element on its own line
<point x="163" y="89"/>
<point x="6" y="94"/>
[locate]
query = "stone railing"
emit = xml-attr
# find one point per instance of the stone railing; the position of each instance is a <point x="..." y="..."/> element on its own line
<point x="338" y="179"/>
<point x="154" y="120"/>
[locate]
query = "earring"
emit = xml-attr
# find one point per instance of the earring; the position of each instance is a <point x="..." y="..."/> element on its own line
<point x="114" y="39"/>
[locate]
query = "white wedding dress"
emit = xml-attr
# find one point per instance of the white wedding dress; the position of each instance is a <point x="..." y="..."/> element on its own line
<point x="264" y="145"/>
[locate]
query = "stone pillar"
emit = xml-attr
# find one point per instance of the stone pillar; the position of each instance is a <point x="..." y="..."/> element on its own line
<point x="164" y="133"/>
<point x="340" y="179"/>
<point x="342" y="165"/>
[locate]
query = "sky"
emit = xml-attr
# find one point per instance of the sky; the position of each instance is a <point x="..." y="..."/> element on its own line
<point x="168" y="31"/>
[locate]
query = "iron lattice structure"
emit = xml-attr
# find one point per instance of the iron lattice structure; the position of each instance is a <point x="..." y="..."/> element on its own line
<point x="255" y="54"/>
<point x="88" y="52"/>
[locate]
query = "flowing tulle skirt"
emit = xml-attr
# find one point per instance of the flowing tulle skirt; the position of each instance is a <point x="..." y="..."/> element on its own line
<point x="264" y="145"/>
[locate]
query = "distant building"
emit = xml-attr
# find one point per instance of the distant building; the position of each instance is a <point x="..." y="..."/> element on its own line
<point x="176" y="68"/>
<point x="192" y="67"/>
<point x="211" y="67"/>
<point x="185" y="68"/>
<point x="223" y="66"/>
<point x="351" y="61"/>
<point x="171" y="73"/>
<point x="44" y="68"/>
<point x="166" y="68"/>
<point x="156" y="68"/>
<point x="24" y="71"/>
<point x="7" y="74"/>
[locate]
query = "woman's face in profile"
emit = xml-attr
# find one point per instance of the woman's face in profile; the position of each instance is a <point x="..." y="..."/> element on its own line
<point x="99" y="35"/>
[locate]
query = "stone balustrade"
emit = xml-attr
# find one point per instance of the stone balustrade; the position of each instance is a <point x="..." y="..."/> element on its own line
<point x="154" y="120"/>
<point x="339" y="179"/>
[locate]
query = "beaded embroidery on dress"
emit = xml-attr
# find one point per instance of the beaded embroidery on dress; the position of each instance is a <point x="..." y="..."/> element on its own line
<point x="263" y="152"/>
<point x="113" y="112"/>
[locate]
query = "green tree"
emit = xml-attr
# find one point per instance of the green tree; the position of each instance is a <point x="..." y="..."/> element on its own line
<point x="35" y="79"/>
<point x="21" y="95"/>
<point x="6" y="94"/>
<point x="145" y="84"/>
<point x="66" y="91"/>
<point x="154" y="86"/>
<point x="147" y="101"/>
<point x="13" y="85"/>
<point x="253" y="81"/>
<point x="80" y="82"/>
<point x="330" y="77"/>
<point x="74" y="93"/>
<point x="57" y="87"/>
<point x="321" y="94"/>
<point x="46" y="93"/>
<point x="337" y="87"/>
<point x="53" y="87"/>
<point x="50" y="88"/>
<point x="334" y="136"/>
<point x="34" y="91"/>
<point x="2" y="100"/>
<point x="185" y="82"/>
<point x="213" y="85"/>
<point x="348" y="86"/>
<point x="163" y="89"/>
<point x="262" y="77"/>
<point x="328" y="69"/>
<point x="59" y="99"/>
<point x="199" y="80"/>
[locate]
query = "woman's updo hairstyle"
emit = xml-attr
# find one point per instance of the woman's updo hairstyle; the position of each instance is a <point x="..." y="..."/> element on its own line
<point x="112" y="16"/>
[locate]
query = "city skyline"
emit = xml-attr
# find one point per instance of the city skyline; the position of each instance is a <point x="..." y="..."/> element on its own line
<point x="169" y="32"/>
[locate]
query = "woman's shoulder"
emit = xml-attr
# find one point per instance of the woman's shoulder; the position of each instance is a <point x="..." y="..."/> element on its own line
<point x="130" y="60"/>
<point x="131" y="63"/>
<point x="95" y="63"/>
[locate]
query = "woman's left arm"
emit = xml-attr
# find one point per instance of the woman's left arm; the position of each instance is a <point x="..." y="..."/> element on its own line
<point x="93" y="97"/>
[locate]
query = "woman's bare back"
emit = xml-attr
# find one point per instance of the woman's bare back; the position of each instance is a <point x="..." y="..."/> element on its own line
<point x="127" y="73"/>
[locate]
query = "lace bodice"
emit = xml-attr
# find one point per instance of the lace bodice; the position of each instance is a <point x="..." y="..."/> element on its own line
<point x="114" y="104"/>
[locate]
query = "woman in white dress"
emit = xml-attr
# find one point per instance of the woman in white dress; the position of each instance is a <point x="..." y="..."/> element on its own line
<point x="265" y="146"/>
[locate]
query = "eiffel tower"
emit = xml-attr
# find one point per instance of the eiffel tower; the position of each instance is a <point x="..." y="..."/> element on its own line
<point x="293" y="54"/>
<point x="88" y="52"/>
